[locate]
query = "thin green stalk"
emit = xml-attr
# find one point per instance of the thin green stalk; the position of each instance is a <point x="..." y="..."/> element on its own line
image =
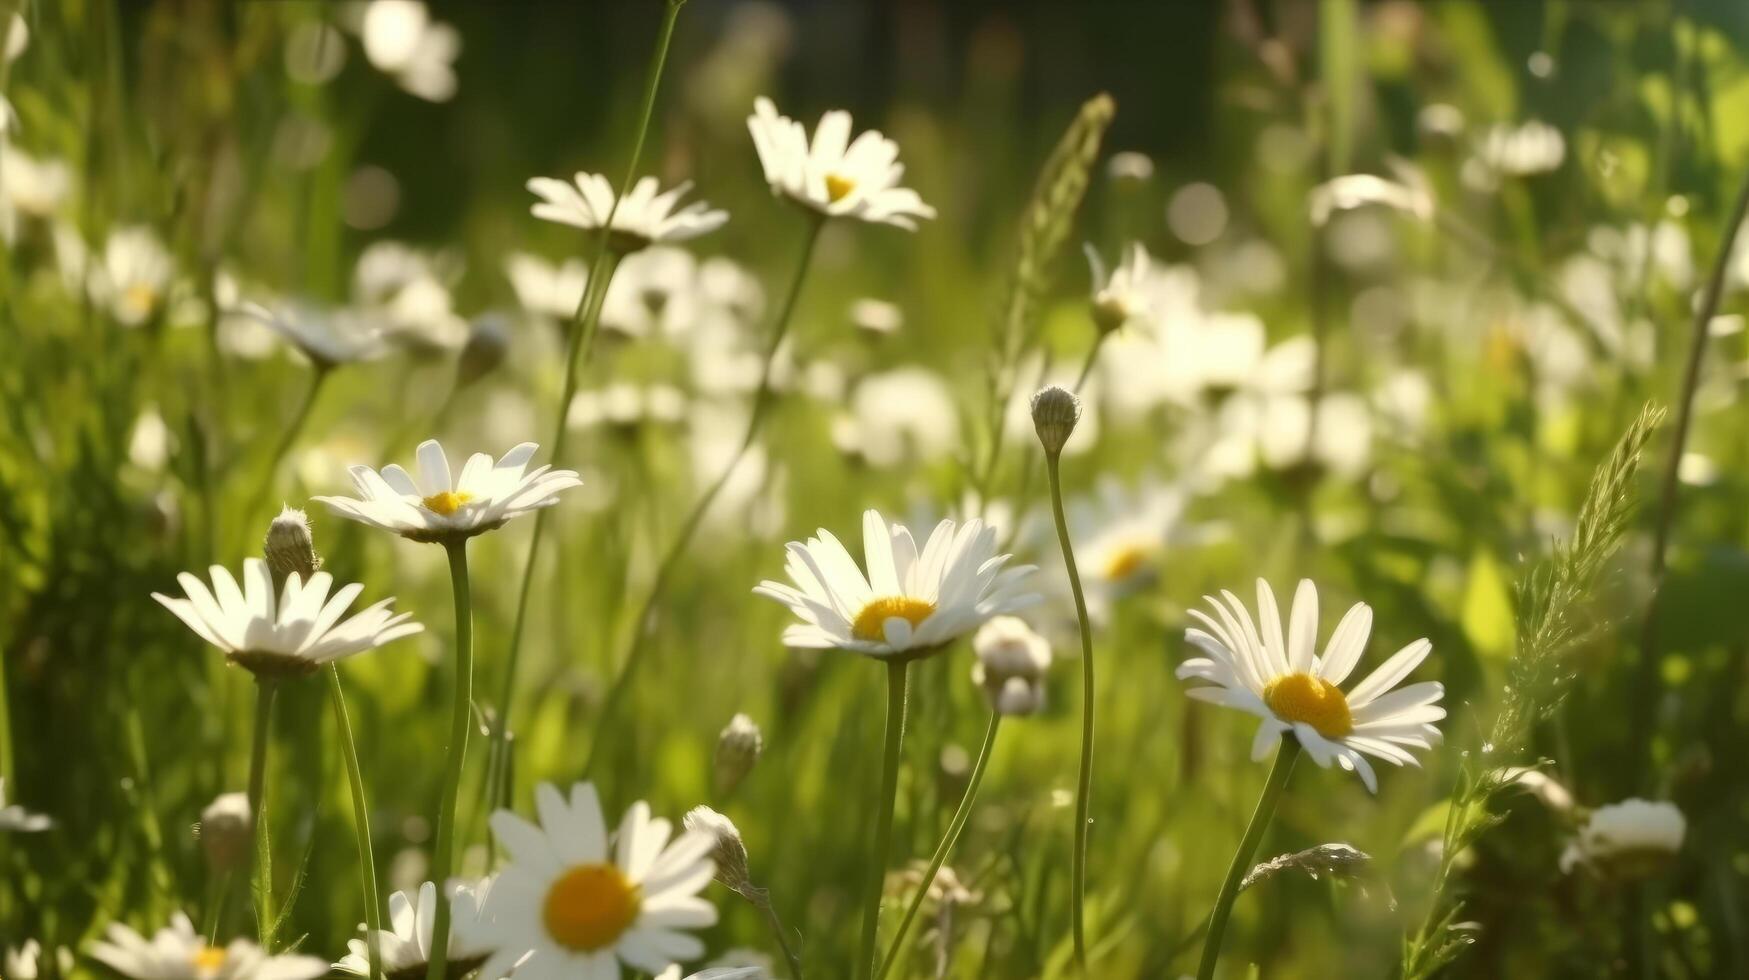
<point x="265" y="689"/>
<point x="1260" y="818"/>
<point x="442" y="859"/>
<point x="580" y="342"/>
<point x="954" y="827"/>
<point x="361" y="823"/>
<point x="6" y="774"/>
<point x="642" y="626"/>
<point x="288" y="439"/>
<point x="780" y="934"/>
<point x="1084" y="785"/>
<point x="898" y="678"/>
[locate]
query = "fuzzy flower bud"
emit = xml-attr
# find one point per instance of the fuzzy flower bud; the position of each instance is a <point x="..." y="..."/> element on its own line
<point x="224" y="831"/>
<point x="738" y="749"/>
<point x="730" y="853"/>
<point x="1011" y="665"/>
<point x="1055" y="410"/>
<point x="488" y="342"/>
<point x="290" y="548"/>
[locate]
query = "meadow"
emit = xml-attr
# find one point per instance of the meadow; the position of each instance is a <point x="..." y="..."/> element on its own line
<point x="737" y="489"/>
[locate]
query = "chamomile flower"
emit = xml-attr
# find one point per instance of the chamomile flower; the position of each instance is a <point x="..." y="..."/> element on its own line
<point x="401" y="40"/>
<point x="1630" y="839"/>
<point x="440" y="508"/>
<point x="406" y="944"/>
<point x="177" y="952"/>
<point x="1123" y="534"/>
<point x="911" y="602"/>
<point x="1122" y="294"/>
<point x="577" y="909"/>
<point x="644" y="217"/>
<point x="294" y="635"/>
<point x="1284" y="682"/>
<point x="834" y="175"/>
<point x="546" y="289"/>
<point x="17" y="819"/>
<point x="133" y="278"/>
<point x="327" y="338"/>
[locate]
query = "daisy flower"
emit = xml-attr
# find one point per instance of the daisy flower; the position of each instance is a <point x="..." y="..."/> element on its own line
<point x="401" y="40"/>
<point x="295" y="635"/>
<point x="134" y="277"/>
<point x="19" y="820"/>
<point x="177" y="952"/>
<point x="1285" y="683"/>
<point x="438" y="508"/>
<point x="911" y="602"/>
<point x="644" y="216"/>
<point x="327" y="338"/>
<point x="406" y="944"/>
<point x="577" y="909"/>
<point x="1630" y="839"/>
<point x="21" y="963"/>
<point x="1122" y="294"/>
<point x="834" y="175"/>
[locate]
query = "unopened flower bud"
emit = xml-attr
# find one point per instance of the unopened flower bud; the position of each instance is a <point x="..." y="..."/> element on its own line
<point x="225" y="831"/>
<point x="488" y="342"/>
<point x="1055" y="410"/>
<point x="729" y="853"/>
<point x="1011" y="665"/>
<point x="738" y="749"/>
<point x="290" y="548"/>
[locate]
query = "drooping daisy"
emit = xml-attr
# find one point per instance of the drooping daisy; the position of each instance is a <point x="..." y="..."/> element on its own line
<point x="911" y="602"/>
<point x="1122" y="294"/>
<point x="644" y="217"/>
<point x="1631" y="839"/>
<point x="327" y="337"/>
<point x="834" y="175"/>
<point x="295" y="635"/>
<point x="579" y="910"/>
<point x="1283" y="681"/>
<point x="406" y="944"/>
<point x="177" y="952"/>
<point x="16" y="819"/>
<point x="439" y="508"/>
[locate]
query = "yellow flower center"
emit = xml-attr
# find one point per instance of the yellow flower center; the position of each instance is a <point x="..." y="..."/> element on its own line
<point x="838" y="188"/>
<point x="447" y="502"/>
<point x="590" y="906"/>
<point x="871" y="622"/>
<point x="207" y="959"/>
<point x="1125" y="561"/>
<point x="1302" y="697"/>
<point x="140" y="296"/>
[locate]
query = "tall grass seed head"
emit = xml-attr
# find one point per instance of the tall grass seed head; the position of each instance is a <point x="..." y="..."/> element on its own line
<point x="738" y="750"/>
<point x="1055" y="410"/>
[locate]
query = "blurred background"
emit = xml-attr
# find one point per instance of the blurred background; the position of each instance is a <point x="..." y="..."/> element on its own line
<point x="1397" y="385"/>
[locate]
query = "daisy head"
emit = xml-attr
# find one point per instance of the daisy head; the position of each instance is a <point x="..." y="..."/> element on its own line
<point x="835" y="175"/>
<point x="644" y="217"/>
<point x="1628" y="840"/>
<point x="440" y="508"/>
<point x="911" y="602"/>
<point x="177" y="951"/>
<point x="289" y="636"/>
<point x="579" y="903"/>
<point x="1280" y="678"/>
<point x="406" y="944"/>
<point x="1120" y="295"/>
<point x="328" y="338"/>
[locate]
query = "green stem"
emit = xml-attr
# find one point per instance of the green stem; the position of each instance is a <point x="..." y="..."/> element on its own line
<point x="6" y="774"/>
<point x="288" y="439"/>
<point x="781" y="935"/>
<point x="954" y="827"/>
<point x="642" y="626"/>
<point x="361" y="822"/>
<point x="443" y="858"/>
<point x="1284" y="764"/>
<point x="898" y="677"/>
<point x="580" y="342"/>
<point x="1084" y="784"/>
<point x="265" y="689"/>
<point x="218" y="889"/>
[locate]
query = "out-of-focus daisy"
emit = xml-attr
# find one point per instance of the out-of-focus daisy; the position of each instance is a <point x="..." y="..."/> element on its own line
<point x="438" y="507"/>
<point x="30" y="187"/>
<point x="21" y="963"/>
<point x="1254" y="667"/>
<point x="834" y="175"/>
<point x="547" y="289"/>
<point x="401" y="40"/>
<point x="1122" y="294"/>
<point x="1408" y="193"/>
<point x="876" y="316"/>
<point x="625" y="405"/>
<point x="294" y="635"/>
<point x="1011" y="665"/>
<point x="645" y="217"/>
<point x="177" y="952"/>
<point x="406" y="291"/>
<point x="655" y="293"/>
<point x="1507" y="150"/>
<point x="580" y="909"/>
<point x="1630" y="839"/>
<point x="899" y="415"/>
<point x="406" y="944"/>
<point x="910" y="602"/>
<point x="328" y="338"/>
<point x="1122" y="535"/>
<point x="133" y="279"/>
<point x="16" y="819"/>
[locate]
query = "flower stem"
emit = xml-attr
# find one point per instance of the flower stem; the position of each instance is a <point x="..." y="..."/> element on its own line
<point x="642" y="626"/>
<point x="361" y="822"/>
<point x="287" y="440"/>
<point x="1278" y="773"/>
<point x="6" y="774"/>
<point x="1084" y="784"/>
<point x="442" y="859"/>
<point x="954" y="827"/>
<point x="780" y="934"/>
<point x="898" y="678"/>
<point x="264" y="919"/>
<point x="580" y="342"/>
